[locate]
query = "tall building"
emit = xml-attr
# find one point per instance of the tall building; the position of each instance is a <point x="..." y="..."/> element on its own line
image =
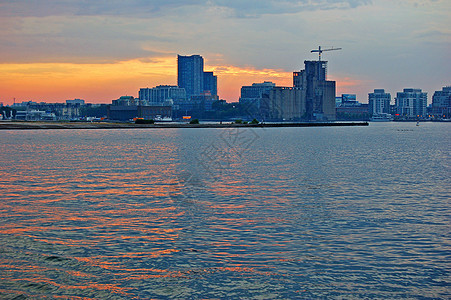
<point x="379" y="102"/>
<point x="159" y="95"/>
<point x="210" y="83"/>
<point x="319" y="92"/>
<point x="441" y="103"/>
<point x="411" y="103"/>
<point x="190" y="74"/>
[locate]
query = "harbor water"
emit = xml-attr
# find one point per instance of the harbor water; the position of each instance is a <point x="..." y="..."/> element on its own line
<point x="238" y="213"/>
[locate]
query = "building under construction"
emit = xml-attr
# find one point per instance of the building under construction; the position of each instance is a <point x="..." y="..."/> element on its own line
<point x="319" y="92"/>
<point x="312" y="97"/>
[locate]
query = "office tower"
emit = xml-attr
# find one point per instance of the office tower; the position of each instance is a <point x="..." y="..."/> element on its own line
<point x="379" y="102"/>
<point x="159" y="94"/>
<point x="441" y="103"/>
<point x="320" y="93"/>
<point x="190" y="74"/>
<point x="411" y="103"/>
<point x="210" y="83"/>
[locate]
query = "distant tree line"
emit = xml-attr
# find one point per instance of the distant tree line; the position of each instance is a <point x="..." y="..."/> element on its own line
<point x="94" y="111"/>
<point x="344" y="116"/>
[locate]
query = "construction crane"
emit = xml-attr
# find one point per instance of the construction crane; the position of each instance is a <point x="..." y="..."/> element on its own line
<point x="319" y="50"/>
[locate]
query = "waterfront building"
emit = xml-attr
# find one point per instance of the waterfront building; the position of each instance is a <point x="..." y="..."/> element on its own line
<point x="210" y="83"/>
<point x="441" y="103"/>
<point x="192" y="78"/>
<point x="126" y="101"/>
<point x="160" y="95"/>
<point x="251" y="97"/>
<point x="128" y="107"/>
<point x="319" y="92"/>
<point x="379" y="102"/>
<point x="358" y="112"/>
<point x="283" y="104"/>
<point x="346" y="100"/>
<point x="349" y="108"/>
<point x="35" y="115"/>
<point x="190" y="74"/>
<point x="411" y="103"/>
<point x="52" y="111"/>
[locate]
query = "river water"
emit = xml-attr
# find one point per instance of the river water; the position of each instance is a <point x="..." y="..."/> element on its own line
<point x="262" y="213"/>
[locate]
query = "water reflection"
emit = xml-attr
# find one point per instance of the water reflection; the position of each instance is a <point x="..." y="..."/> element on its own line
<point x="292" y="213"/>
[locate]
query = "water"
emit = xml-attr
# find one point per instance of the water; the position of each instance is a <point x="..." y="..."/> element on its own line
<point x="283" y="213"/>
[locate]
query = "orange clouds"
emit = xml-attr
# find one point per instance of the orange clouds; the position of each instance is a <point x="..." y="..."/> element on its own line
<point x="231" y="79"/>
<point x="97" y="83"/>
<point x="101" y="83"/>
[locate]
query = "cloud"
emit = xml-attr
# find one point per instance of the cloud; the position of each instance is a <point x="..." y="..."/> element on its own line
<point x="261" y="7"/>
<point x="149" y="8"/>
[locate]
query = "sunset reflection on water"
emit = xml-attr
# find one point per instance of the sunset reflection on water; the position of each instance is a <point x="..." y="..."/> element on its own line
<point x="95" y="214"/>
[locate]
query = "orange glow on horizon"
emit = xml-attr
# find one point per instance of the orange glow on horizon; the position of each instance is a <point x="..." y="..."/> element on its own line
<point x="101" y="83"/>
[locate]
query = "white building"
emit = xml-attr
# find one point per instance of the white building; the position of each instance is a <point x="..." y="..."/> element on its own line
<point x="379" y="102"/>
<point x="411" y="103"/>
<point x="159" y="94"/>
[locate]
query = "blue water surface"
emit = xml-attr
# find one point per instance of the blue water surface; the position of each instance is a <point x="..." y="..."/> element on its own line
<point x="259" y="213"/>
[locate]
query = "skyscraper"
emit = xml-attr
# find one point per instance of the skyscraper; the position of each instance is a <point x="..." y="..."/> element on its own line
<point x="210" y="83"/>
<point x="320" y="93"/>
<point x="190" y="74"/>
<point x="379" y="102"/>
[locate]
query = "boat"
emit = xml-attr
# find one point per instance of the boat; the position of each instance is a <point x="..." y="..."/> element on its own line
<point x="159" y="118"/>
<point x="381" y="118"/>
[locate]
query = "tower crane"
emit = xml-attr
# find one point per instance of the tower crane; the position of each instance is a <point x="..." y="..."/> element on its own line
<point x="319" y="50"/>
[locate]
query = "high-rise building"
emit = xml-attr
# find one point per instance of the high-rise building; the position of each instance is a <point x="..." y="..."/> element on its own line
<point x="441" y="103"/>
<point x="411" y="103"/>
<point x="319" y="92"/>
<point x="210" y="83"/>
<point x="190" y="74"/>
<point x="379" y="102"/>
<point x="160" y="94"/>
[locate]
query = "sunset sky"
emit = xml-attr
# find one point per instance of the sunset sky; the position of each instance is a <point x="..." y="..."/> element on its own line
<point x="54" y="50"/>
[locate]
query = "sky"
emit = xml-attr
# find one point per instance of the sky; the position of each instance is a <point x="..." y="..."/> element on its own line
<point x="99" y="50"/>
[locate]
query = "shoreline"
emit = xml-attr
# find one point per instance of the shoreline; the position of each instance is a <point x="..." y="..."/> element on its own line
<point x="7" y="125"/>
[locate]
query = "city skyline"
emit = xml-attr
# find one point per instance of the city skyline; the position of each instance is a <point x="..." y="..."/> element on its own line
<point x="99" y="51"/>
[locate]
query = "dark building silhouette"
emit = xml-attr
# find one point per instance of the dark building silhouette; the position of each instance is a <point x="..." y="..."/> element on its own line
<point x="283" y="104"/>
<point x="190" y="74"/>
<point x="319" y="92"/>
<point x="210" y="83"/>
<point x="441" y="103"/>
<point x="128" y="107"/>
